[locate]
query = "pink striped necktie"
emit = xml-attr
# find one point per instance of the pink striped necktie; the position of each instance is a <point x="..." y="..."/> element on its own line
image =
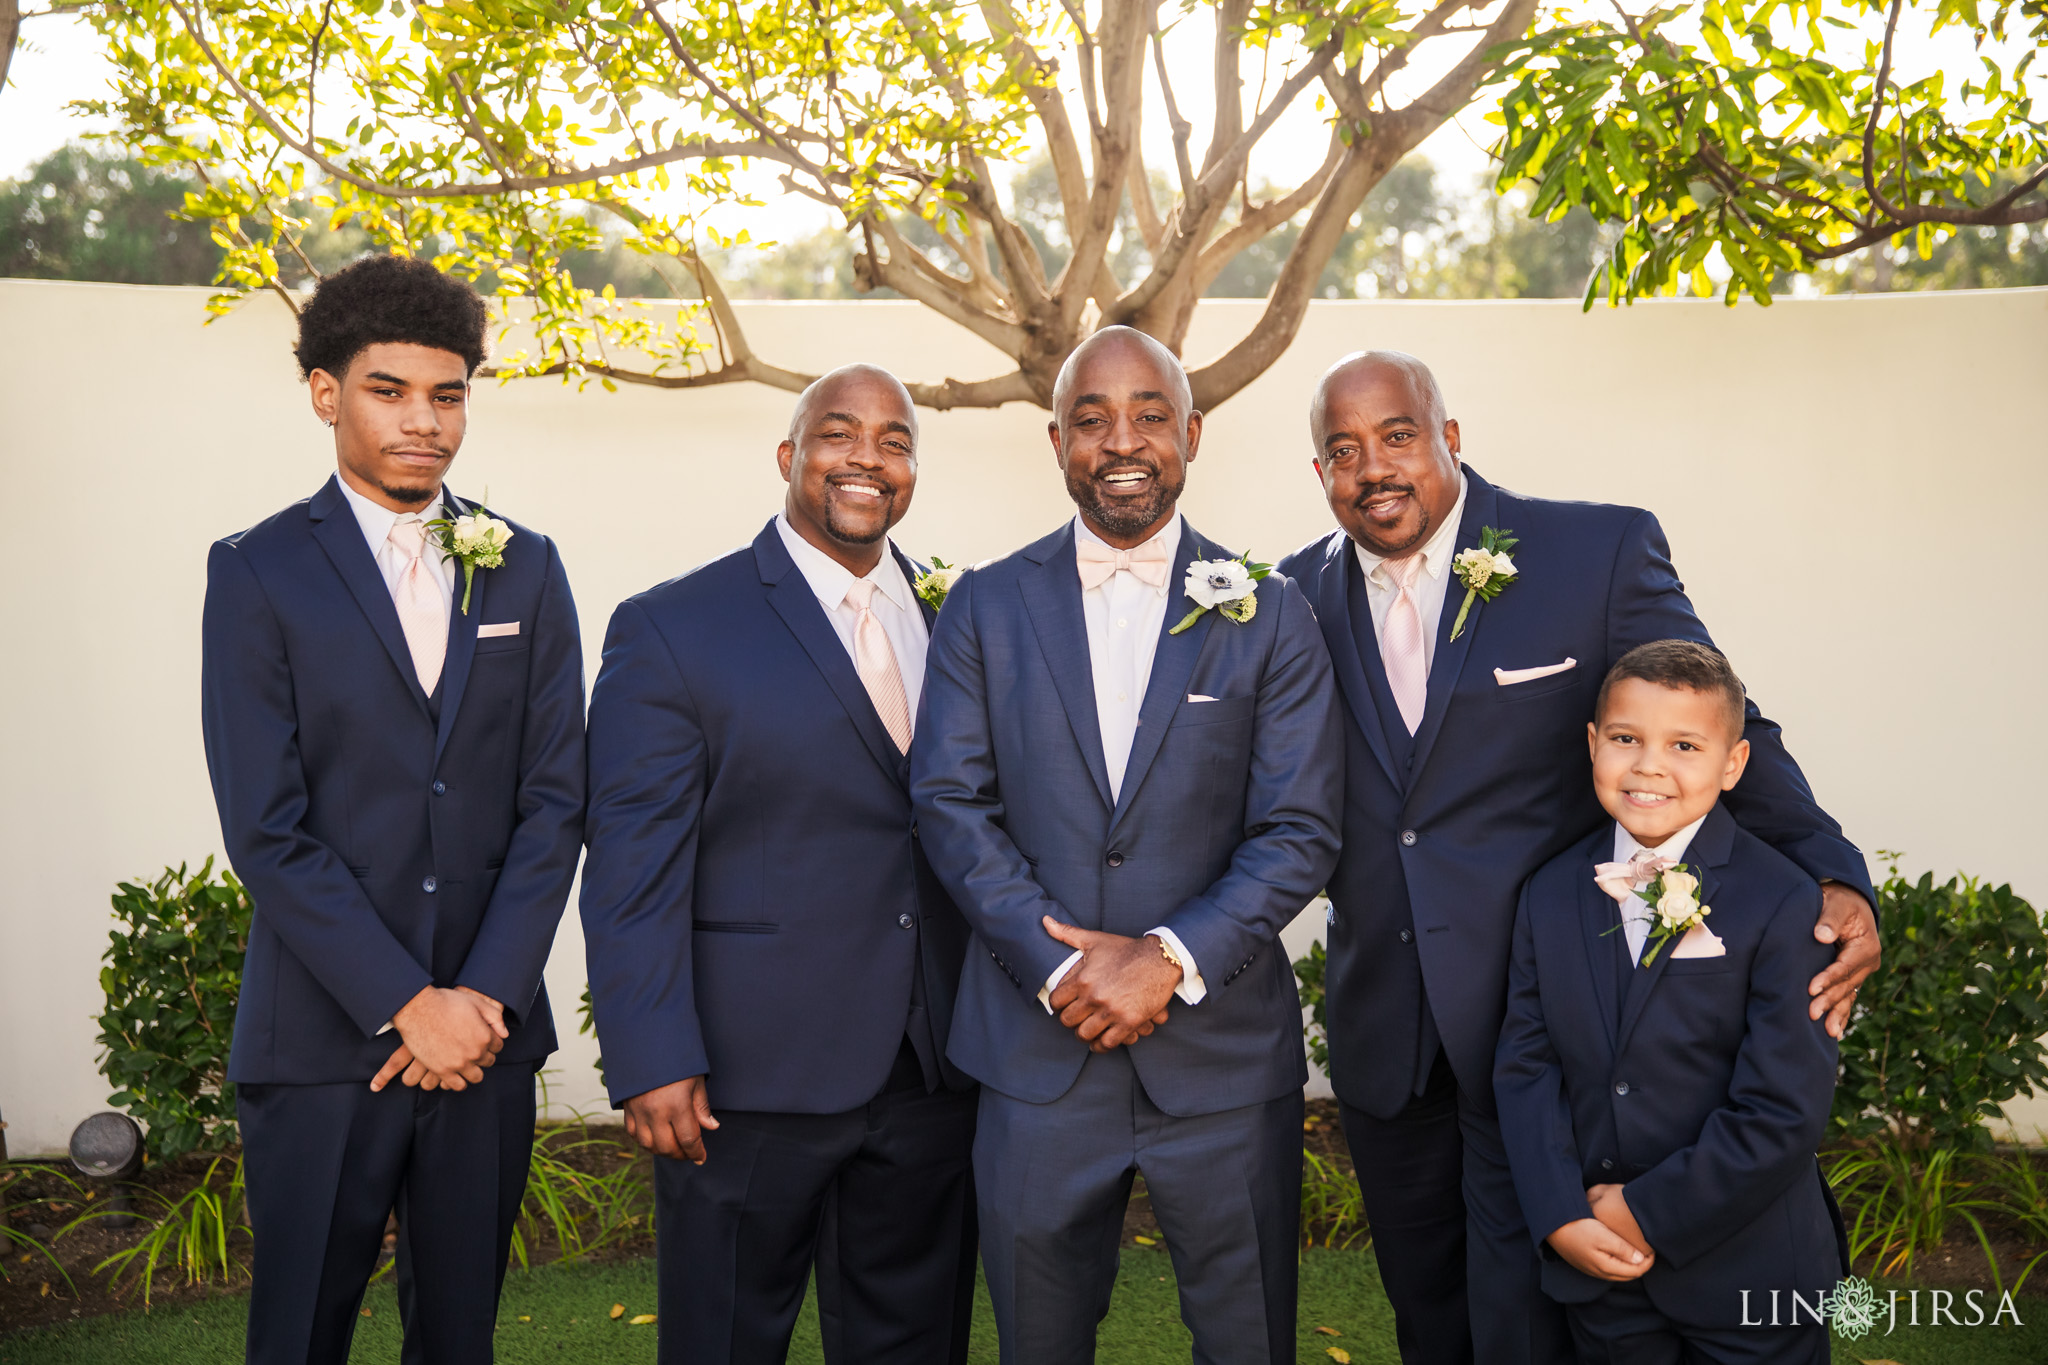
<point x="420" y="613"/>
<point x="1401" y="641"/>
<point x="875" y="661"/>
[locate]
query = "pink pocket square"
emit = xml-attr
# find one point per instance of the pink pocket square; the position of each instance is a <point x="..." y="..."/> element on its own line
<point x="1699" y="941"/>
<point x="497" y="628"/>
<point x="1508" y="677"/>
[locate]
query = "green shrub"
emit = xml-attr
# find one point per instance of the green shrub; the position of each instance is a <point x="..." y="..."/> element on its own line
<point x="1950" y="1027"/>
<point x="1308" y="970"/>
<point x="173" y="973"/>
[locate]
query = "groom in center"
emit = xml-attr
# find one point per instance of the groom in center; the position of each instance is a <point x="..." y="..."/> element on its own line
<point x="1128" y="805"/>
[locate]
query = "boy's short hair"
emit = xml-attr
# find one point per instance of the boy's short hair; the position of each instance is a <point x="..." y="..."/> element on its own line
<point x="1685" y="664"/>
<point x="389" y="298"/>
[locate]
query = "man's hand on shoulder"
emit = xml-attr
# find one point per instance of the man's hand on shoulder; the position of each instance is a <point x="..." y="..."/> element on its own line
<point x="1118" y="992"/>
<point x="450" y="1036"/>
<point x="670" y="1120"/>
<point x="1846" y="919"/>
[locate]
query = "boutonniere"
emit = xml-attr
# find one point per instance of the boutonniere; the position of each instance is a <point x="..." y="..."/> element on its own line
<point x="1675" y="909"/>
<point x="1228" y="586"/>
<point x="1484" y="571"/>
<point x="476" y="539"/>
<point x="933" y="584"/>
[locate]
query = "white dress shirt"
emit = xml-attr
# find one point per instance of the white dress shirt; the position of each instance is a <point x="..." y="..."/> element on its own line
<point x="1636" y="920"/>
<point x="1125" y="617"/>
<point x="377" y="522"/>
<point x="894" y="604"/>
<point x="1431" y="586"/>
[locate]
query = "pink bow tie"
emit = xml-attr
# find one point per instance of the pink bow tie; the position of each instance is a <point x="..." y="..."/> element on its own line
<point x="1099" y="563"/>
<point x="1623" y="880"/>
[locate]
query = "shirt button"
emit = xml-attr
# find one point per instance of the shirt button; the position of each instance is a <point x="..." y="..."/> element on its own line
<point x="428" y="885"/>
<point x="440" y="789"/>
<point x="1407" y="936"/>
<point x="1121" y="696"/>
<point x="1115" y="859"/>
<point x="1121" y="622"/>
<point x="904" y="921"/>
<point x="1621" y="1087"/>
<point x="1407" y="838"/>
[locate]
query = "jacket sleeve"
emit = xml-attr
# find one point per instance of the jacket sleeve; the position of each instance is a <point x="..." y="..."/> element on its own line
<point x="960" y="810"/>
<point x="301" y="888"/>
<point x="1755" y="1146"/>
<point x="1528" y="1087"/>
<point x="1647" y="602"/>
<point x="518" y="930"/>
<point x="1294" y="797"/>
<point x="649" y="770"/>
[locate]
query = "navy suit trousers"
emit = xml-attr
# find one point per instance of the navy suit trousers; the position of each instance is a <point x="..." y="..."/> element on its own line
<point x="1622" y="1327"/>
<point x="325" y="1166"/>
<point x="1053" y="1180"/>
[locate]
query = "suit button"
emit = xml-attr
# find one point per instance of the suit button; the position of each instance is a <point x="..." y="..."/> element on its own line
<point x="904" y="920"/>
<point x="440" y="789"/>
<point x="1621" y="1087"/>
<point x="1407" y="838"/>
<point x="1407" y="936"/>
<point x="913" y="829"/>
<point x="1115" y="858"/>
<point x="428" y="885"/>
<point x="1607" y="1164"/>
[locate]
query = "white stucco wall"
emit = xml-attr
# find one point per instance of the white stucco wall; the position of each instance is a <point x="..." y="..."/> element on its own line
<point x="1851" y="487"/>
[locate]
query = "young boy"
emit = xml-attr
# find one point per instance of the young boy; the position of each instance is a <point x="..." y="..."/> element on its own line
<point x="1661" y="1086"/>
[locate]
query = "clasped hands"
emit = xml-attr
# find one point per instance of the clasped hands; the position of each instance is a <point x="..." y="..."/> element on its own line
<point x="1118" y="992"/>
<point x="1609" y="1245"/>
<point x="450" y="1036"/>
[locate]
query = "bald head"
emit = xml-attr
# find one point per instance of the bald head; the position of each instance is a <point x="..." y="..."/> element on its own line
<point x="1120" y="342"/>
<point x="831" y="382"/>
<point x="1367" y="364"/>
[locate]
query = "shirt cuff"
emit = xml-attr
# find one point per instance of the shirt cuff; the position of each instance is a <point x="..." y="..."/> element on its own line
<point x="1192" y="989"/>
<point x="1052" y="983"/>
<point x="386" y="1029"/>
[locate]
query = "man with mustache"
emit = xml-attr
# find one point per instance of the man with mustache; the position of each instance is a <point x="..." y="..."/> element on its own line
<point x="397" y="757"/>
<point x="772" y="965"/>
<point x="1467" y="770"/>
<point x="1128" y="804"/>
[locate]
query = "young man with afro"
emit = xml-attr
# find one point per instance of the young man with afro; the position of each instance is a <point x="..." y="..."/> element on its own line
<point x="393" y="707"/>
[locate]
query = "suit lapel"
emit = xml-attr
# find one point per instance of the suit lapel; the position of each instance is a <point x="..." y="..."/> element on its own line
<point x="461" y="637"/>
<point x="1346" y="650"/>
<point x="1604" y="942"/>
<point x="1173" y="663"/>
<point x="1052" y="595"/>
<point x="1709" y="849"/>
<point x="912" y="572"/>
<point x="789" y="592"/>
<point x="1449" y="660"/>
<point x="340" y="537"/>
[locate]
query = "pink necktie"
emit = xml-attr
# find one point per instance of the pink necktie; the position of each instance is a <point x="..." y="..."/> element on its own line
<point x="1099" y="563"/>
<point x="1623" y="880"/>
<point x="875" y="661"/>
<point x="420" y="613"/>
<point x="1401" y="642"/>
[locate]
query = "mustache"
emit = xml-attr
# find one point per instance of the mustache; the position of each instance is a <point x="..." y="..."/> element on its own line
<point x="1381" y="489"/>
<point x="437" y="447"/>
<point x="869" y="480"/>
<point x="1119" y="466"/>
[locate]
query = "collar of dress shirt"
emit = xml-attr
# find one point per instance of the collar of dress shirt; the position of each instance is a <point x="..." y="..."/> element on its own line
<point x="1626" y="845"/>
<point x="1169" y="533"/>
<point x="376" y="520"/>
<point x="1440" y="548"/>
<point x="830" y="579"/>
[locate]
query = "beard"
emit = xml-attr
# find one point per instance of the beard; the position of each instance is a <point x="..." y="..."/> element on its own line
<point x="1124" y="517"/>
<point x="841" y="530"/>
<point x="1388" y="548"/>
<point x="411" y="497"/>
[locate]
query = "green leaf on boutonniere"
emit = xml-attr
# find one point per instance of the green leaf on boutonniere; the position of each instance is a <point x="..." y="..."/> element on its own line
<point x="1484" y="571"/>
<point x="1226" y="586"/>
<point x="932" y="586"/>
<point x="476" y="540"/>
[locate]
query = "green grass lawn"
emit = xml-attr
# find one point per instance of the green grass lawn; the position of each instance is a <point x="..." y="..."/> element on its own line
<point x="562" y="1314"/>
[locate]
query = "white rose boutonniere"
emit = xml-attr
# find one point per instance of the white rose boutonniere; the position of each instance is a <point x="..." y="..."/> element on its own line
<point x="1675" y="909"/>
<point x="1484" y="571"/>
<point x="477" y="540"/>
<point x="1226" y="586"/>
<point x="933" y="585"/>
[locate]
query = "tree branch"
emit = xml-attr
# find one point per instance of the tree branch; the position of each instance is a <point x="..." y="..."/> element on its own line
<point x="1884" y="75"/>
<point x="1258" y="221"/>
<point x="944" y="295"/>
<point x="1051" y="108"/>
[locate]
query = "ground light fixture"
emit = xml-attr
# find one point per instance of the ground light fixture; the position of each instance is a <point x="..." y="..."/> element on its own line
<point x="108" y="1147"/>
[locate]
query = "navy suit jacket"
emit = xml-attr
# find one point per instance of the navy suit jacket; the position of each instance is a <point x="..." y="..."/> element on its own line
<point x="1225" y="828"/>
<point x="390" y="840"/>
<point x="1700" y="1085"/>
<point x="755" y="904"/>
<point x="1497" y="779"/>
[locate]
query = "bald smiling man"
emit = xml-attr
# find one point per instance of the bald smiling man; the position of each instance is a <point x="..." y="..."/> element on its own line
<point x="1467" y="770"/>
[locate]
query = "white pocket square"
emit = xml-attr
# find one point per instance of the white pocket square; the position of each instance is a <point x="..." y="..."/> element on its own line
<point x="1699" y="941"/>
<point x="1197" y="696"/>
<point x="1508" y="677"/>
<point x="497" y="628"/>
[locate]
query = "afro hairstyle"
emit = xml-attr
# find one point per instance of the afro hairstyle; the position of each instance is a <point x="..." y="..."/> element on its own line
<point x="389" y="298"/>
